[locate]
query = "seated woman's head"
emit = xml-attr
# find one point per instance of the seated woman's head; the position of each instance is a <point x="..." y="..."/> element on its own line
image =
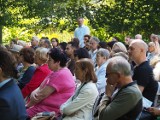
<point x="27" y="55"/>
<point x="84" y="70"/>
<point x="119" y="45"/>
<point x="41" y="55"/>
<point x="7" y="65"/>
<point x="57" y="59"/>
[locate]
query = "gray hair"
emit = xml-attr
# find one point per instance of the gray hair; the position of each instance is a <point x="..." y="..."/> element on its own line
<point x="95" y="39"/>
<point x="35" y="38"/>
<point x="121" y="46"/>
<point x="122" y="54"/>
<point x="138" y="36"/>
<point x="151" y="44"/>
<point x="119" y="64"/>
<point x="103" y="52"/>
<point x="43" y="53"/>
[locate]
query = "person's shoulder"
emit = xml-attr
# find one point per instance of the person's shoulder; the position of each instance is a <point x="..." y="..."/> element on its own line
<point x="133" y="92"/>
<point x="85" y="27"/>
<point x="44" y="68"/>
<point x="90" y="85"/>
<point x="31" y="68"/>
<point x="76" y="28"/>
<point x="145" y="66"/>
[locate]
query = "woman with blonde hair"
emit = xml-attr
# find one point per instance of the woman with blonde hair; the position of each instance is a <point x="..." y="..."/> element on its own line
<point x="42" y="70"/>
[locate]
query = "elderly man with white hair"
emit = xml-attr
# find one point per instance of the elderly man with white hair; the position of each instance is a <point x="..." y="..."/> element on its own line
<point x="143" y="72"/>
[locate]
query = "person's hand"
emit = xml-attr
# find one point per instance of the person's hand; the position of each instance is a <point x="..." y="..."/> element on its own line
<point x="154" y="111"/>
<point x="110" y="89"/>
<point x="33" y="96"/>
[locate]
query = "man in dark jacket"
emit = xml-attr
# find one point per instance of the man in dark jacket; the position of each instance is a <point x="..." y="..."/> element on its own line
<point x="12" y="106"/>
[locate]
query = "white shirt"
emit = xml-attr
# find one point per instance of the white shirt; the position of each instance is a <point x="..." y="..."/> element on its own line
<point x="80" y="32"/>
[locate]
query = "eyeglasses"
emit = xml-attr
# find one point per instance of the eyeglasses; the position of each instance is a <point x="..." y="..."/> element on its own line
<point x="107" y="74"/>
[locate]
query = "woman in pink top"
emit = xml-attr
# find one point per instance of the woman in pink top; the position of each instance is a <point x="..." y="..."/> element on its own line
<point x="42" y="71"/>
<point x="56" y="89"/>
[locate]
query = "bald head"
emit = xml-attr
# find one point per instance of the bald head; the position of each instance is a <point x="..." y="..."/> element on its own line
<point x="137" y="51"/>
<point x="140" y="44"/>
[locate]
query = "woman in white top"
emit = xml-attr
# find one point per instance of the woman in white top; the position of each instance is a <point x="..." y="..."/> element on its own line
<point x="79" y="106"/>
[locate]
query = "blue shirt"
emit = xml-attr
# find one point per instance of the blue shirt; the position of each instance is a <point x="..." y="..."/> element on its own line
<point x="80" y="32"/>
<point x="4" y="82"/>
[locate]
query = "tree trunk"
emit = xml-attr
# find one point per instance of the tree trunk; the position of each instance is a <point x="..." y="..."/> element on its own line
<point x="0" y="34"/>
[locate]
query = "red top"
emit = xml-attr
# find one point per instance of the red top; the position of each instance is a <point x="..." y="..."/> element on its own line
<point x="39" y="75"/>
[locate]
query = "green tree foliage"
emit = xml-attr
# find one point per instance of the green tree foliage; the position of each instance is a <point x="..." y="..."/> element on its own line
<point x="106" y="17"/>
<point x="129" y="17"/>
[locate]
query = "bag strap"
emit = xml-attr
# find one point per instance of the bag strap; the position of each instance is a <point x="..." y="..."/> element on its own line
<point x="78" y="91"/>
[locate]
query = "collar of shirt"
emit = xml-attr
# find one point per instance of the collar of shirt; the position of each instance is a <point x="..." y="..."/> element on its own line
<point x="93" y="52"/>
<point x="82" y="26"/>
<point x="4" y="82"/>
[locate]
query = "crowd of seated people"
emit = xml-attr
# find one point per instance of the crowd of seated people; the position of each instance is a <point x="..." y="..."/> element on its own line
<point x="100" y="81"/>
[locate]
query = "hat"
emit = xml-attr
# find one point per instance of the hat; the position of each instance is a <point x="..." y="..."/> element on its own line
<point x="16" y="48"/>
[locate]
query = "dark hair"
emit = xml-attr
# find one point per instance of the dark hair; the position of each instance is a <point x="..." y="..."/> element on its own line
<point x="7" y="64"/>
<point x="28" y="55"/>
<point x="63" y="45"/>
<point x="81" y="53"/>
<point x="116" y="38"/>
<point x="76" y="42"/>
<point x="55" y="40"/>
<point x="44" y="38"/>
<point x="58" y="56"/>
<point x="103" y="44"/>
<point x="87" y="36"/>
<point x="111" y="43"/>
<point x="87" y="68"/>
